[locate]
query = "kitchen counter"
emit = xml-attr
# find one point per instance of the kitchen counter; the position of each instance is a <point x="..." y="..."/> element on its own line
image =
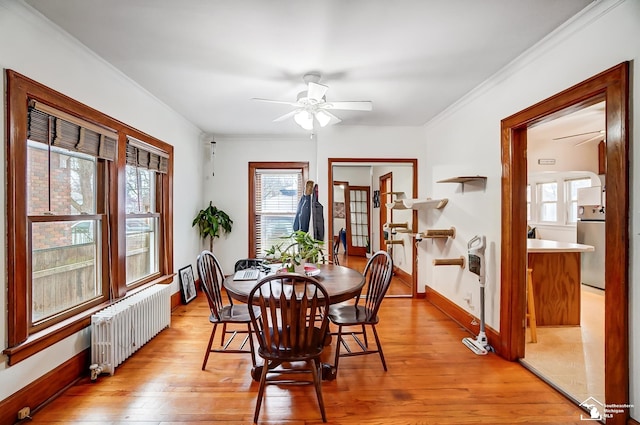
<point x="556" y="280"/>
<point x="543" y="245"/>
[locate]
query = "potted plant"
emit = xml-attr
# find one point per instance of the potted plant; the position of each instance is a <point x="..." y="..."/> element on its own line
<point x="297" y="249"/>
<point x="212" y="223"/>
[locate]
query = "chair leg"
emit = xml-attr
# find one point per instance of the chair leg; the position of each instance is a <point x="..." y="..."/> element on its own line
<point x="251" y="346"/>
<point x="364" y="336"/>
<point x="263" y="382"/>
<point x="224" y="333"/>
<point x="206" y="354"/>
<point x="338" y="345"/>
<point x="315" y="366"/>
<point x="375" y="333"/>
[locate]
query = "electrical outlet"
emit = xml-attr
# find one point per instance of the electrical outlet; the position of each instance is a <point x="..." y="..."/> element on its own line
<point x="23" y="413"/>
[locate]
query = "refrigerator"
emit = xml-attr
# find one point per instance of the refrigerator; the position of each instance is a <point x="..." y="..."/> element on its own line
<point x="591" y="231"/>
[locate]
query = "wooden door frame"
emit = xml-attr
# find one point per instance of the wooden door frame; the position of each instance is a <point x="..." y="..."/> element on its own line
<point x="383" y="200"/>
<point x="613" y="87"/>
<point x="414" y="163"/>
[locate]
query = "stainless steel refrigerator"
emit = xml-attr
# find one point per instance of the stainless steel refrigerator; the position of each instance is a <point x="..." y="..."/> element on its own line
<point x="591" y="231"/>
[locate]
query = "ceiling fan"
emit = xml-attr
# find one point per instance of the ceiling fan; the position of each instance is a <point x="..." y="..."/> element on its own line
<point x="311" y="105"/>
<point x="589" y="136"/>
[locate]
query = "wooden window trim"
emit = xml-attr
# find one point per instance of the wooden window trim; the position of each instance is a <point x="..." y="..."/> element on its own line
<point x="253" y="166"/>
<point x="21" y="344"/>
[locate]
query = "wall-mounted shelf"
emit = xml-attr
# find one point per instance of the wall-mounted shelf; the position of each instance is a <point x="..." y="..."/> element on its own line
<point x="415" y="204"/>
<point x="465" y="179"/>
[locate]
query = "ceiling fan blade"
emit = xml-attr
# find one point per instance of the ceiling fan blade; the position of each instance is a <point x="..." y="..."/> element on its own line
<point x="316" y="91"/>
<point x="334" y="119"/>
<point x="354" y="105"/>
<point x="287" y="115"/>
<point x="276" y="101"/>
<point x="590" y="139"/>
<point x="579" y="134"/>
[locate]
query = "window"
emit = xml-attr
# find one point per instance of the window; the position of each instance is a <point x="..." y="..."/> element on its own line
<point x="274" y="189"/>
<point x="572" y="187"/>
<point x="552" y="198"/>
<point x="144" y="166"/>
<point x="63" y="215"/>
<point x="75" y="213"/>
<point x="548" y="195"/>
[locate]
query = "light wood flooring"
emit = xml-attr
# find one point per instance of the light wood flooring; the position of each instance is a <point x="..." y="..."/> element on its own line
<point x="572" y="357"/>
<point x="432" y="379"/>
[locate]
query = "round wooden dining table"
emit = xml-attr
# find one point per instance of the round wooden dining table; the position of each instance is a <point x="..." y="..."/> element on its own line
<point x="341" y="283"/>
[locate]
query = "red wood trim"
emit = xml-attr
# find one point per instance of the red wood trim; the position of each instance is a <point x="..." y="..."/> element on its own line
<point x="38" y="393"/>
<point x="632" y="421"/>
<point x="459" y="315"/>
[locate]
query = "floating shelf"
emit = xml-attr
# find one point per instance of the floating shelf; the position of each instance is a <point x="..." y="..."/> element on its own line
<point x="415" y="204"/>
<point x="465" y="179"/>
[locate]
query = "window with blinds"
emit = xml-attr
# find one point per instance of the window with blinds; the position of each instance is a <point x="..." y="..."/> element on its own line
<point x="144" y="163"/>
<point x="65" y="216"/>
<point x="276" y="192"/>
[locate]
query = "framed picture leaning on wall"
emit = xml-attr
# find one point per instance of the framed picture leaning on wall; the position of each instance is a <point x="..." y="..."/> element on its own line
<point x="187" y="284"/>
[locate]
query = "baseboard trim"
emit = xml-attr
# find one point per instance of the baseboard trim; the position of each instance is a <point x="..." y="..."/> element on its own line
<point x="44" y="389"/>
<point x="460" y="316"/>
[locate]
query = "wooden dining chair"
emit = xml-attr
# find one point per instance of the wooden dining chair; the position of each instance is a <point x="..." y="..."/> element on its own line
<point x="211" y="277"/>
<point x="288" y="313"/>
<point x="364" y="311"/>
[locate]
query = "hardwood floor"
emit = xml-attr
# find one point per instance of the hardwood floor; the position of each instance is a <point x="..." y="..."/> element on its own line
<point x="432" y="379"/>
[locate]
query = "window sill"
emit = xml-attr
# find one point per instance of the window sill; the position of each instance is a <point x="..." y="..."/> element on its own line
<point x="38" y="341"/>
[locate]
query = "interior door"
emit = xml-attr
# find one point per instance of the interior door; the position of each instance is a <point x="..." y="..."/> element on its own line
<point x="358" y="228"/>
<point x="386" y="215"/>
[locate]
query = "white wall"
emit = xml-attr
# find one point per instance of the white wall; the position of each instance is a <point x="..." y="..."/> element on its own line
<point x="228" y="188"/>
<point x="465" y="140"/>
<point x="37" y="49"/>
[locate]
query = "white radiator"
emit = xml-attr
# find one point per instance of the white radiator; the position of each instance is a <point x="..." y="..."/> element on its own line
<point x="122" y="328"/>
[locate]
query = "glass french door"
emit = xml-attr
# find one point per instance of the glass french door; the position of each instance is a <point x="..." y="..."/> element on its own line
<point x="358" y="228"/>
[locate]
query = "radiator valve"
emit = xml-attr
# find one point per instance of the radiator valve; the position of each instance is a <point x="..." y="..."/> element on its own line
<point x="96" y="370"/>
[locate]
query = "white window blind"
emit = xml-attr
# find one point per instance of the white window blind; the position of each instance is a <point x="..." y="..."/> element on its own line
<point x="277" y="195"/>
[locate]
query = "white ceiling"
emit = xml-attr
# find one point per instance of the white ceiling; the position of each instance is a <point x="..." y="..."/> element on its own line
<point x="206" y="59"/>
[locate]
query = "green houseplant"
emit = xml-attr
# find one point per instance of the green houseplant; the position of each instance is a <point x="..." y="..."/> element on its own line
<point x="212" y="223"/>
<point x="296" y="249"/>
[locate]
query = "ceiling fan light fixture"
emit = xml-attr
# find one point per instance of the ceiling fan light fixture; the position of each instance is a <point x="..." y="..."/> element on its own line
<point x="304" y="119"/>
<point x="323" y="118"/>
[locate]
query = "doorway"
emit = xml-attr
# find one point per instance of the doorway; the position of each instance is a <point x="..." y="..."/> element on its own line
<point x="565" y="172"/>
<point x="611" y="86"/>
<point x="366" y="173"/>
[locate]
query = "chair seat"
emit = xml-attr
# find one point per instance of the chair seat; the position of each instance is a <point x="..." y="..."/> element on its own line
<point x="234" y="314"/>
<point x="350" y="315"/>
